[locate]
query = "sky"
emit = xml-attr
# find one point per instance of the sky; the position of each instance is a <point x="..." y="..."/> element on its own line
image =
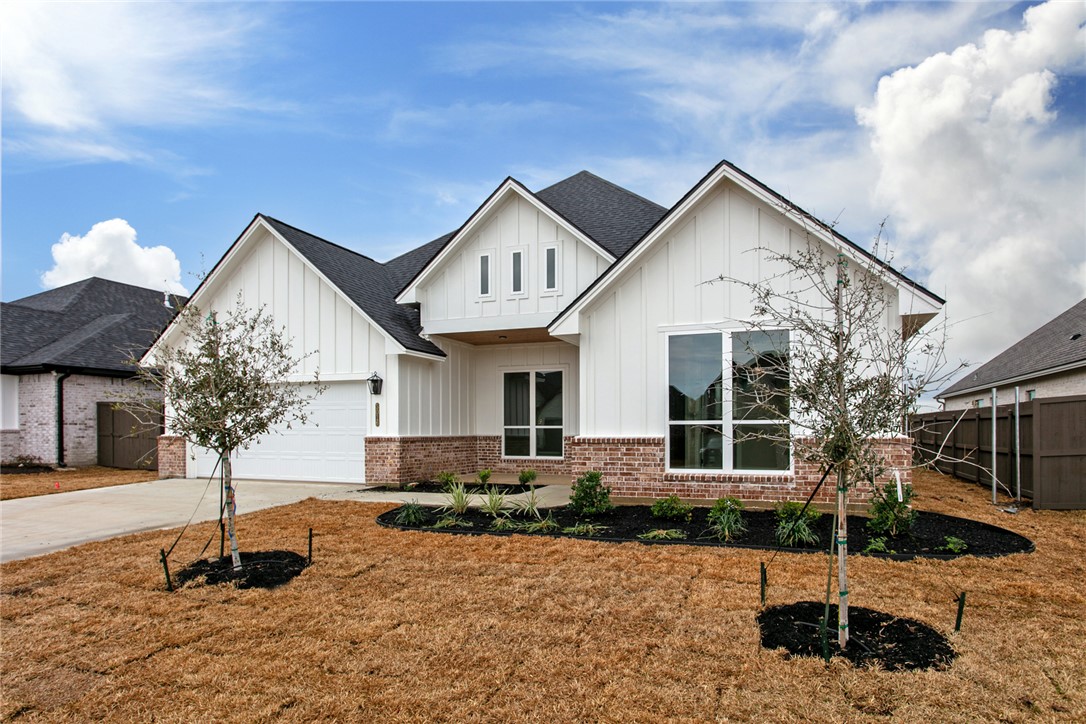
<point x="139" y="139"/>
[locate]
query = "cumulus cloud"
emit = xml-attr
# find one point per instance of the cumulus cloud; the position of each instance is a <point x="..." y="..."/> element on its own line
<point x="983" y="184"/>
<point x="109" y="250"/>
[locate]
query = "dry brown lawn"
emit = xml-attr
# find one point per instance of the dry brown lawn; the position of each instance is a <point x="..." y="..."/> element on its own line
<point x="389" y="625"/>
<point x="25" y="485"/>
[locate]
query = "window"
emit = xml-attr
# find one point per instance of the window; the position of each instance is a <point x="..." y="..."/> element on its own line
<point x="728" y="401"/>
<point x="484" y="275"/>
<point x="516" y="273"/>
<point x="9" y="402"/>
<point x="550" y="268"/>
<point x="1031" y="395"/>
<point x="533" y="414"/>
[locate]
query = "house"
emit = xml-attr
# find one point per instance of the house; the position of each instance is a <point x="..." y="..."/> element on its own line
<point x="1048" y="362"/>
<point x="64" y="351"/>
<point x="554" y="330"/>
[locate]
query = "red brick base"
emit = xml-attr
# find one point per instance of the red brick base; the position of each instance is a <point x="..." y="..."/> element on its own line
<point x="171" y="456"/>
<point x="410" y="459"/>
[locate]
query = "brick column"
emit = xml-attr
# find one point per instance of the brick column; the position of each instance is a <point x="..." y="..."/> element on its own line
<point x="171" y="456"/>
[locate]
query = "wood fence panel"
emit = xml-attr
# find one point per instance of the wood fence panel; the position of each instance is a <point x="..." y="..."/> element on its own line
<point x="123" y="442"/>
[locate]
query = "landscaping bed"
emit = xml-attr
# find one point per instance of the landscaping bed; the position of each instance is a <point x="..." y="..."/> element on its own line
<point x="928" y="538"/>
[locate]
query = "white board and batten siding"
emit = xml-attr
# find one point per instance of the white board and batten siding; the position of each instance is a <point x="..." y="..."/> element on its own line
<point x="345" y="348"/>
<point x="623" y="332"/>
<point x="450" y="296"/>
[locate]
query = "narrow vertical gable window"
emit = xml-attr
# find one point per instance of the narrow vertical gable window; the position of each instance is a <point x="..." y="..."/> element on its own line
<point x="517" y="264"/>
<point x="484" y="275"/>
<point x="550" y="269"/>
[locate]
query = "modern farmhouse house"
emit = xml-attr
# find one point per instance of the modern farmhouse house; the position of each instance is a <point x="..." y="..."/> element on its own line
<point x="561" y="330"/>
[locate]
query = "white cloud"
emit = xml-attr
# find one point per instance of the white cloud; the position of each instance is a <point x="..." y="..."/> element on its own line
<point x="109" y="250"/>
<point x="982" y="183"/>
<point x="80" y="78"/>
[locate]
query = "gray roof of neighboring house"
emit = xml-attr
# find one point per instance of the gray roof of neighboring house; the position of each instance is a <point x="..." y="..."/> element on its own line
<point x="611" y="216"/>
<point x="92" y="326"/>
<point x="1051" y="347"/>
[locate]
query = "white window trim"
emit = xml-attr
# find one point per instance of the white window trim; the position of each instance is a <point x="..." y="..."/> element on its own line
<point x="564" y="369"/>
<point x="726" y="422"/>
<point x="546" y="291"/>
<point x="489" y="254"/>
<point x="523" y="252"/>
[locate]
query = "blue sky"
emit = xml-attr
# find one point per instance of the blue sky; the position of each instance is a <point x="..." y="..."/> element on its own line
<point x="129" y="127"/>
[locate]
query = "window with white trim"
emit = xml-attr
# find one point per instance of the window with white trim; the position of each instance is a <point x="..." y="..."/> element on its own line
<point x="551" y="269"/>
<point x="533" y="413"/>
<point x="516" y="273"/>
<point x="9" y="402"/>
<point x="728" y="401"/>
<point x="485" y="287"/>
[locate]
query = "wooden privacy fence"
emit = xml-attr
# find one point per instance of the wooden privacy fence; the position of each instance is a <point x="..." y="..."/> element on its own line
<point x="1051" y="445"/>
<point x="123" y="442"/>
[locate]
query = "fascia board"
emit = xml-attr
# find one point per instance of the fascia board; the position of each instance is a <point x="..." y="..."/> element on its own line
<point x="510" y="185"/>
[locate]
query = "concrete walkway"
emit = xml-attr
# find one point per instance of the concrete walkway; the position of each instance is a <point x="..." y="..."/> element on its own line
<point x="47" y="523"/>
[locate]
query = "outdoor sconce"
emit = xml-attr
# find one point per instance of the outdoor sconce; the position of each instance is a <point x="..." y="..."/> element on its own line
<point x="375" y="383"/>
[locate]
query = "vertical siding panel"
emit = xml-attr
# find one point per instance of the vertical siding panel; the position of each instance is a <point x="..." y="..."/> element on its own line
<point x="631" y="350"/>
<point x="711" y="264"/>
<point x="280" y="307"/>
<point x="344" y="335"/>
<point x="328" y="327"/>
<point x="683" y="272"/>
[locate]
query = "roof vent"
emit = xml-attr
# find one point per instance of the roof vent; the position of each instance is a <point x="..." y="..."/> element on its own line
<point x="166" y="300"/>
<point x="1075" y="336"/>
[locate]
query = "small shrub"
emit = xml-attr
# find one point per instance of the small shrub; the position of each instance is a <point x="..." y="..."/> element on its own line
<point x="527" y="477"/>
<point x="458" y="498"/>
<point x="890" y="516"/>
<point x="795" y="526"/>
<point x="663" y="534"/>
<point x="878" y="545"/>
<point x="411" y="514"/>
<point x="543" y="525"/>
<point x="586" y="529"/>
<point x="590" y="496"/>
<point x="953" y="544"/>
<point x="493" y="503"/>
<point x="446" y="478"/>
<point x="503" y="523"/>
<point x="726" y="519"/>
<point x="528" y="506"/>
<point x="452" y="520"/>
<point x="671" y="508"/>
<point x="483" y="476"/>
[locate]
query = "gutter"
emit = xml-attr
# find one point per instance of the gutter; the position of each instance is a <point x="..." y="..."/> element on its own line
<point x="60" y="416"/>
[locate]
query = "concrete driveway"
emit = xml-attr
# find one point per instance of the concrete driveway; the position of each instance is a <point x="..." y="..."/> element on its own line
<point x="47" y="523"/>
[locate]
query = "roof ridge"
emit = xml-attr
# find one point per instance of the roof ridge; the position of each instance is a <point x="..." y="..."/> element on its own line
<point x="610" y="183"/>
<point x="318" y="238"/>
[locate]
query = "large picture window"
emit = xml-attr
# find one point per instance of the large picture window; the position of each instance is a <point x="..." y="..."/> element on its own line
<point x="533" y="414"/>
<point x="728" y="401"/>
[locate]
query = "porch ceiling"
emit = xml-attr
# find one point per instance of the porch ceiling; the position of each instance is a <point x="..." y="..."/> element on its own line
<point x="502" y="336"/>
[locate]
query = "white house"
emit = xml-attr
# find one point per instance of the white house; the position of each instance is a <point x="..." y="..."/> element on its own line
<point x="562" y="330"/>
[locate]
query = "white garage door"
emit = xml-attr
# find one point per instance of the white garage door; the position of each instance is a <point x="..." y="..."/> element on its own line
<point x="329" y="447"/>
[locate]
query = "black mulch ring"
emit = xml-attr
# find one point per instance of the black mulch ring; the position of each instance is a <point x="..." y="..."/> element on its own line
<point x="473" y="488"/>
<point x="625" y="523"/>
<point x="259" y="569"/>
<point x="876" y="638"/>
<point x="25" y="469"/>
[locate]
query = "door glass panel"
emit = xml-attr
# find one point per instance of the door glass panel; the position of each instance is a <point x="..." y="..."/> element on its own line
<point x="694" y="377"/>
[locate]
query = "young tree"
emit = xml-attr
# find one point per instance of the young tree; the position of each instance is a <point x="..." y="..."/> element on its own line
<point x="841" y="379"/>
<point x="223" y="379"/>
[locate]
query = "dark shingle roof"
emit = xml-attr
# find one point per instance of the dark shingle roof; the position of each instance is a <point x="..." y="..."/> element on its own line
<point x="364" y="281"/>
<point x="608" y="214"/>
<point x="94" y="325"/>
<point x="1052" y="346"/>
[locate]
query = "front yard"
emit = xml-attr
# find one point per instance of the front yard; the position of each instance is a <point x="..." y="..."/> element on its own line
<point x="396" y="625"/>
<point x="25" y="485"/>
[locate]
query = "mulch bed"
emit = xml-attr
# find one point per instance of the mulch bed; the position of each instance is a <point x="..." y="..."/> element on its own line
<point x="260" y="569"/>
<point x="876" y="638"/>
<point x="473" y="488"/>
<point x="627" y="522"/>
<point x="24" y="469"/>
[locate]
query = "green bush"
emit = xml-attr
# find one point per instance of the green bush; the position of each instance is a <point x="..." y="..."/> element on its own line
<point x="446" y="478"/>
<point x="890" y="516"/>
<point x="590" y="496"/>
<point x="795" y="527"/>
<point x="671" y="508"/>
<point x="878" y="545"/>
<point x="528" y="506"/>
<point x="726" y="519"/>
<point x="527" y="477"/>
<point x="458" y="499"/>
<point x="493" y="502"/>
<point x="953" y="544"/>
<point x="411" y="514"/>
<point x="483" y="476"/>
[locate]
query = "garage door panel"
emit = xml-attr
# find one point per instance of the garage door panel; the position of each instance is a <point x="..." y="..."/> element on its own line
<point x="330" y="446"/>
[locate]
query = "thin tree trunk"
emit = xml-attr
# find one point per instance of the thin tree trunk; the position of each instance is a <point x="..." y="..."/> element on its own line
<point x="229" y="488"/>
<point x="842" y="556"/>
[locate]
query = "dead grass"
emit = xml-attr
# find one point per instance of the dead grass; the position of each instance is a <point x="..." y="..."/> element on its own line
<point x="404" y="626"/>
<point x="26" y="485"/>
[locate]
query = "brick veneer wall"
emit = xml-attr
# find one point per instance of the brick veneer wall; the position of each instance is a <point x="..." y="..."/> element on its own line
<point x="635" y="468"/>
<point x="171" y="456"/>
<point x="489" y="455"/>
<point x="409" y="459"/>
<point x="10" y="445"/>
<point x="37" y="418"/>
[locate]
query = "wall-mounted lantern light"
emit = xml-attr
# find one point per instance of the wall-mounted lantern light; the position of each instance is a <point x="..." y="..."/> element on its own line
<point x="375" y="383"/>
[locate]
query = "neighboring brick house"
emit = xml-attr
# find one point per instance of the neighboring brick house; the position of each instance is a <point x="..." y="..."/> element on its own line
<point x="1048" y="362"/>
<point x="61" y="353"/>
<point x="558" y="330"/>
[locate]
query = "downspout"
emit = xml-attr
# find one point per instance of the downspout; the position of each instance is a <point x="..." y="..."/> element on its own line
<point x="60" y="416"/>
